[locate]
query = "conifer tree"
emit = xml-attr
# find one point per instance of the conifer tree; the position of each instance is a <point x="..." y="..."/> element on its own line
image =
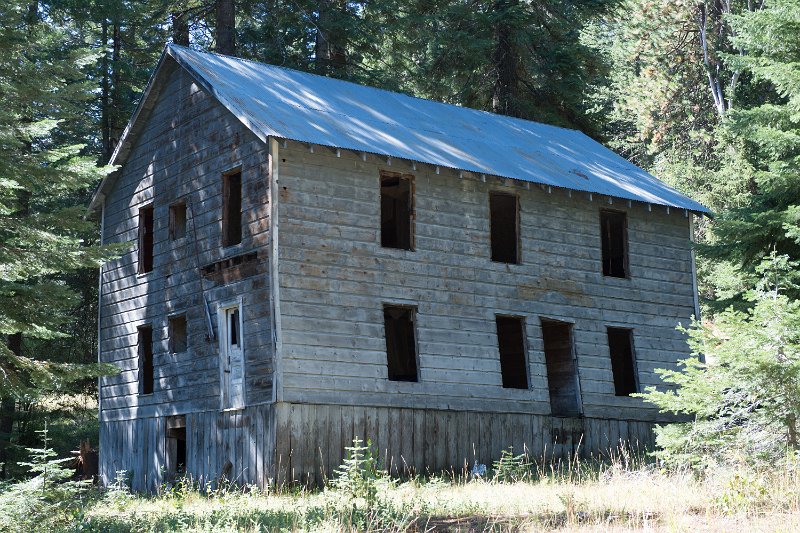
<point x="767" y="134"/>
<point x="42" y="172"/>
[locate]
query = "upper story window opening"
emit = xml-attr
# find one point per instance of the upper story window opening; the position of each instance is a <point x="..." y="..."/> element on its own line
<point x="232" y="208"/>
<point x="397" y="211"/>
<point x="614" y="243"/>
<point x="504" y="227"/>
<point x="146" y="242"/>
<point x="177" y="220"/>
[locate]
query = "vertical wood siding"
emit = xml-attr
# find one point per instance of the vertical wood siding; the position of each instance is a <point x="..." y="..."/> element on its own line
<point x="134" y="450"/>
<point x="311" y="439"/>
<point x="304" y="443"/>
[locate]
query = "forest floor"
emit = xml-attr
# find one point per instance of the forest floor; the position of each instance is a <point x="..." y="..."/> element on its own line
<point x="616" y="499"/>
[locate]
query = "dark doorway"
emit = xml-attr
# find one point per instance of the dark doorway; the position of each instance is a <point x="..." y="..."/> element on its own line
<point x="176" y="446"/>
<point x="562" y="374"/>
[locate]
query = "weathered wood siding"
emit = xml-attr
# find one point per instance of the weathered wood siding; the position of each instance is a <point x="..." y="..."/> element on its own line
<point x="311" y="439"/>
<point x="335" y="277"/>
<point x="235" y="445"/>
<point x="185" y="142"/>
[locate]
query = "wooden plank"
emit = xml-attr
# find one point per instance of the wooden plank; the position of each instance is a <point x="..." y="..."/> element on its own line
<point x="418" y="458"/>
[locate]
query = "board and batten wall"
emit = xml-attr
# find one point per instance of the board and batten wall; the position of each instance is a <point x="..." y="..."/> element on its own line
<point x="185" y="141"/>
<point x="334" y="278"/>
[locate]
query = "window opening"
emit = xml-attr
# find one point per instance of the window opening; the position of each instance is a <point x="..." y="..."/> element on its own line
<point x="511" y="342"/>
<point x="396" y="211"/>
<point x="623" y="361"/>
<point x="177" y="221"/>
<point x="562" y="374"/>
<point x="401" y="352"/>
<point x="613" y="229"/>
<point x="145" y="342"/>
<point x="232" y="209"/>
<point x="146" y="239"/>
<point x="178" y="335"/>
<point x="504" y="227"/>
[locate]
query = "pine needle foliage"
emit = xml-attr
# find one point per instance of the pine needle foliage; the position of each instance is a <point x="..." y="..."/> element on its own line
<point x="741" y="405"/>
<point x="42" y="172"/>
<point x="48" y="500"/>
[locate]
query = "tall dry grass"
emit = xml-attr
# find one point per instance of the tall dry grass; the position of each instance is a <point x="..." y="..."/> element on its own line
<point x="624" y="492"/>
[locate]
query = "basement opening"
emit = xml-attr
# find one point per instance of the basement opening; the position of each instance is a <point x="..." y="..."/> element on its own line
<point x="562" y="373"/>
<point x="504" y="227"/>
<point x="401" y="350"/>
<point x="623" y="362"/>
<point x="178" y="335"/>
<point x="146" y="239"/>
<point x="177" y="221"/>
<point x="232" y="208"/>
<point x="145" y="342"/>
<point x="614" y="240"/>
<point x="511" y="342"/>
<point x="176" y="445"/>
<point x="397" y="211"/>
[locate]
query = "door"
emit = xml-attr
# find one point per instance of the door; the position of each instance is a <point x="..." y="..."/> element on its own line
<point x="232" y="358"/>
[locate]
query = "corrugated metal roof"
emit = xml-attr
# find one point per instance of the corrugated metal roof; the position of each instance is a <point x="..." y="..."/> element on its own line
<point x="280" y="102"/>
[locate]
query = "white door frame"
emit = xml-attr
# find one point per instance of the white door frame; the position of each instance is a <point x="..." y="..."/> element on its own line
<point x="223" y="311"/>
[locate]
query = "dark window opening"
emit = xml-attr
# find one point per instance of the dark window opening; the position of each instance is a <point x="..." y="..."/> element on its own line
<point x="623" y="364"/>
<point x="146" y="239"/>
<point x="232" y="209"/>
<point x="401" y="352"/>
<point x="178" y="335"/>
<point x="176" y="445"/>
<point x="511" y="341"/>
<point x="145" y="359"/>
<point x="233" y="328"/>
<point x="397" y="211"/>
<point x="177" y="221"/>
<point x="562" y="374"/>
<point x="613" y="230"/>
<point x="504" y="227"/>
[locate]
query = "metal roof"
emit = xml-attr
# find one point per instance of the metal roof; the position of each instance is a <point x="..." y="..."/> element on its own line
<point x="280" y="102"/>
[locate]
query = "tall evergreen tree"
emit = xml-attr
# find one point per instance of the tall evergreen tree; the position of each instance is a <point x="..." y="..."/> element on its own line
<point x="767" y="134"/>
<point x="42" y="170"/>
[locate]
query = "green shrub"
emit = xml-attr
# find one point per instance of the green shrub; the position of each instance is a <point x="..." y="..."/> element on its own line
<point x="47" y="501"/>
<point x="512" y="468"/>
<point x="742" y="405"/>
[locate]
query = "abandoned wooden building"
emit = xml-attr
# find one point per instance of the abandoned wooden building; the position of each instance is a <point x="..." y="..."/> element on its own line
<point x="315" y="260"/>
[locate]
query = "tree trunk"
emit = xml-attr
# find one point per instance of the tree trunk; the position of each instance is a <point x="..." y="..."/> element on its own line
<point x="330" y="48"/>
<point x="505" y="94"/>
<point x="180" y="25"/>
<point x="117" y="108"/>
<point x="105" y="120"/>
<point x="226" y="27"/>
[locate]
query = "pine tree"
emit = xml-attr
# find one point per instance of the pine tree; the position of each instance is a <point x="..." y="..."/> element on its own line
<point x="42" y="171"/>
<point x="767" y="135"/>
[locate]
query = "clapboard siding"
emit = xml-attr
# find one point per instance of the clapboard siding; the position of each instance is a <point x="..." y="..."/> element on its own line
<point x="183" y="145"/>
<point x="316" y="373"/>
<point x="334" y="278"/>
